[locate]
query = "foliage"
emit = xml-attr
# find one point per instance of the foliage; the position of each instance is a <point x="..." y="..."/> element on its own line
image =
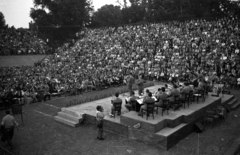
<point x="60" y="19"/>
<point x="2" y="21"/>
<point x="107" y="15"/>
<point x="162" y="10"/>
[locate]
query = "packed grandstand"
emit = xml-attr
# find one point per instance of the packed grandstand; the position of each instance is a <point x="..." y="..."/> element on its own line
<point x="21" y="41"/>
<point x="169" y="51"/>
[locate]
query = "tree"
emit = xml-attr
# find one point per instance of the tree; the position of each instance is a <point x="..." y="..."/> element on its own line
<point x="60" y="19"/>
<point x="2" y="21"/>
<point x="225" y="7"/>
<point x="107" y="15"/>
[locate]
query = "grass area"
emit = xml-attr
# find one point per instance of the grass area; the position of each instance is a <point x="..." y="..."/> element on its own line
<point x="20" y="60"/>
<point x="41" y="135"/>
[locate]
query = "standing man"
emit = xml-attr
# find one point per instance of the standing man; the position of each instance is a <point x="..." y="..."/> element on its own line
<point x="100" y="116"/>
<point x="129" y="81"/>
<point x="140" y="82"/>
<point x="7" y="125"/>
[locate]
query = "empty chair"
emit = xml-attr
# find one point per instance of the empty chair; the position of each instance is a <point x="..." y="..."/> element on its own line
<point x="211" y="113"/>
<point x="221" y="112"/>
<point x="185" y="99"/>
<point x="191" y="97"/>
<point x="208" y="120"/>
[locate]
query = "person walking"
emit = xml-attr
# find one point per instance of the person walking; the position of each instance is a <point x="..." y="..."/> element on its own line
<point x="100" y="116"/>
<point x="7" y="126"/>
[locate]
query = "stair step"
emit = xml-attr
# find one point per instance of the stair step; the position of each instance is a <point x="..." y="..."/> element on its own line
<point x="168" y="131"/>
<point x="69" y="117"/>
<point x="72" y="113"/>
<point x="232" y="102"/>
<point x="233" y="107"/>
<point x="66" y="121"/>
<point x="226" y="98"/>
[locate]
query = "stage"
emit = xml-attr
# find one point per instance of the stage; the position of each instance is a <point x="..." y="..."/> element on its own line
<point x="162" y="131"/>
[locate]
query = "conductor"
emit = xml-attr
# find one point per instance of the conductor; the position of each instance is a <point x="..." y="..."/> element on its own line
<point x="129" y="79"/>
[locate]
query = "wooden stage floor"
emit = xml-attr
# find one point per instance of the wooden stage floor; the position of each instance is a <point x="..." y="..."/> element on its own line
<point x="162" y="131"/>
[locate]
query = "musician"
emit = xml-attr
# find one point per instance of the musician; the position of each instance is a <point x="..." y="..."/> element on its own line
<point x="116" y="100"/>
<point x="129" y="105"/>
<point x="158" y="92"/>
<point x="146" y="101"/>
<point x="186" y="88"/>
<point x="140" y="82"/>
<point x="200" y="85"/>
<point x="129" y="79"/>
<point x="161" y="97"/>
<point x="146" y="93"/>
<point x="174" y="92"/>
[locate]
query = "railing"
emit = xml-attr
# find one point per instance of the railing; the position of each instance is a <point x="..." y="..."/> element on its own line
<point x="4" y="151"/>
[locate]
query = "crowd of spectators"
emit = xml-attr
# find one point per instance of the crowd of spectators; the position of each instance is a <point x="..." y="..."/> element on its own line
<point x="159" y="51"/>
<point x="21" y="41"/>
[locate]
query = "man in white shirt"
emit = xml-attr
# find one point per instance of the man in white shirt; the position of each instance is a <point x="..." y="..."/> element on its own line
<point x="100" y="116"/>
<point x="7" y="125"/>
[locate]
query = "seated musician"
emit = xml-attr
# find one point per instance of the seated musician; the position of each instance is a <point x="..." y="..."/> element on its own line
<point x="148" y="99"/>
<point x="174" y="92"/>
<point x="161" y="97"/>
<point x="166" y="87"/>
<point x="186" y="88"/>
<point x="116" y="100"/>
<point x="157" y="93"/>
<point x="132" y="98"/>
<point x="146" y="93"/>
<point x="200" y="85"/>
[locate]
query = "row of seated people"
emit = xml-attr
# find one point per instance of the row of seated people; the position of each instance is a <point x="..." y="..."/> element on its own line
<point x="87" y="85"/>
<point x="163" y="94"/>
<point x="46" y="91"/>
<point x="149" y="102"/>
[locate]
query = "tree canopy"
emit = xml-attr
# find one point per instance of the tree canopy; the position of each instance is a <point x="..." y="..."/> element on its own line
<point x="60" y="19"/>
<point x="2" y="21"/>
<point x="162" y="10"/>
<point x="107" y="15"/>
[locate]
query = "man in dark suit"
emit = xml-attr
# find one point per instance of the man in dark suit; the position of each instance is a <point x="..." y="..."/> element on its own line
<point x="161" y="97"/>
<point x="129" y="81"/>
<point x="186" y="88"/>
<point x="116" y="101"/>
<point x="132" y="99"/>
<point x="140" y="83"/>
<point x="146" y="100"/>
<point x="174" y="92"/>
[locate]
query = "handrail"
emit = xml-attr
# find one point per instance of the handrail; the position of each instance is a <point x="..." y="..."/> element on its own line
<point x="4" y="151"/>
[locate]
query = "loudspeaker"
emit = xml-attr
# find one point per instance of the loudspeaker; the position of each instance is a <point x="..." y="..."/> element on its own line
<point x="227" y="107"/>
<point x="198" y="127"/>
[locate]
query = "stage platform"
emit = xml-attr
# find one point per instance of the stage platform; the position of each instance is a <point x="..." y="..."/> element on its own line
<point x="162" y="131"/>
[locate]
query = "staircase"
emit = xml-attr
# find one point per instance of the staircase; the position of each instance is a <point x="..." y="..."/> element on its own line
<point x="231" y="102"/>
<point x="71" y="118"/>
